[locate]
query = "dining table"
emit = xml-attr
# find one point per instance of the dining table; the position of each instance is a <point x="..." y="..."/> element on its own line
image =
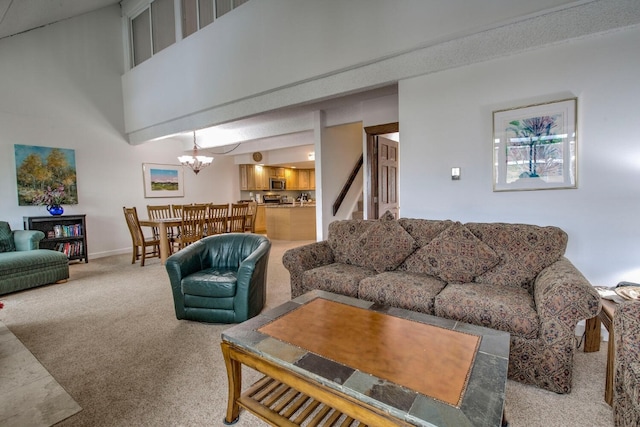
<point x="163" y="225"/>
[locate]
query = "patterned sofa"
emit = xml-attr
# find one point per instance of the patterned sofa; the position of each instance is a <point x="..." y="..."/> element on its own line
<point x="626" y="386"/>
<point x="511" y="277"/>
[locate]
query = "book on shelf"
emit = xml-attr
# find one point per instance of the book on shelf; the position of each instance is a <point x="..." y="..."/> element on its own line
<point x="73" y="230"/>
<point x="70" y="249"/>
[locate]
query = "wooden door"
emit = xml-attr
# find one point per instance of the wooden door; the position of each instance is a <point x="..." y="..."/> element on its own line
<point x="387" y="176"/>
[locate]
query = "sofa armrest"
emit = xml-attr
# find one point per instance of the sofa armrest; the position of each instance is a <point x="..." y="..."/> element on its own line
<point x="251" y="282"/>
<point x="303" y="258"/>
<point x="563" y="297"/>
<point x="626" y="327"/>
<point x="180" y="265"/>
<point x="626" y="324"/>
<point x="27" y="240"/>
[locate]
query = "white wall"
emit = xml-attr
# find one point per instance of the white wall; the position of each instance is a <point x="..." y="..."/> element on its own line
<point x="446" y="121"/>
<point x="271" y="54"/>
<point x="61" y="87"/>
<point x="341" y="148"/>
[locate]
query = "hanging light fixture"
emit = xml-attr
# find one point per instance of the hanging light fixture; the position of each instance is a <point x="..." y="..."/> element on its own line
<point x="194" y="161"/>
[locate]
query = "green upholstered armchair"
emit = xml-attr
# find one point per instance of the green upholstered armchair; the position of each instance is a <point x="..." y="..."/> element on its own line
<point x="221" y="278"/>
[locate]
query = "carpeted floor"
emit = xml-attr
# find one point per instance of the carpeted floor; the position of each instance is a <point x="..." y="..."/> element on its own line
<point x="109" y="336"/>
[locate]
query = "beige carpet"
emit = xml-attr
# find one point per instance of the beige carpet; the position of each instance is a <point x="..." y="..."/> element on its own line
<point x="109" y="336"/>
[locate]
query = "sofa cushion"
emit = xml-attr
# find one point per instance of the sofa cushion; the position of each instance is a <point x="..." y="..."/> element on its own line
<point x="411" y="291"/>
<point x="337" y="277"/>
<point x="524" y="250"/>
<point x="424" y="230"/>
<point x="385" y="244"/>
<point x="19" y="262"/>
<point x="456" y="255"/>
<point x="343" y="240"/>
<point x="6" y="238"/>
<point x="506" y="308"/>
<point x="211" y="282"/>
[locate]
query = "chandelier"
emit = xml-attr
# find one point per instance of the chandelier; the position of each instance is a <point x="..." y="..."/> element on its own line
<point x="194" y="161"/>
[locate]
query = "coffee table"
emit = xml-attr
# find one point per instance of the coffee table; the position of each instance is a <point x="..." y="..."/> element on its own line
<point x="329" y="359"/>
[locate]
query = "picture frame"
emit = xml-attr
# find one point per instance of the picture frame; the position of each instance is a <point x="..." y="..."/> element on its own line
<point x="40" y="168"/>
<point x="535" y="147"/>
<point x="163" y="180"/>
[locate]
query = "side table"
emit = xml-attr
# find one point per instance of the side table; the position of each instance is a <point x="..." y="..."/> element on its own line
<point x="592" y="341"/>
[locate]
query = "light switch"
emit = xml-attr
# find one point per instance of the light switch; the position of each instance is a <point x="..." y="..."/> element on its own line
<point x="455" y="174"/>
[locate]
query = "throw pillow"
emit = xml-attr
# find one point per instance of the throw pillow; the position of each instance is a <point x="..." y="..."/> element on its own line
<point x="385" y="244"/>
<point x="455" y="255"/>
<point x="6" y="238"/>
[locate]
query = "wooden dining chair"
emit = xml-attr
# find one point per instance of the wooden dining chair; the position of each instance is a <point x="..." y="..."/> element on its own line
<point x="159" y="212"/>
<point x="141" y="244"/>
<point x="192" y="225"/>
<point x="217" y="219"/>
<point x="238" y="217"/>
<point x="250" y="220"/>
<point x="176" y="211"/>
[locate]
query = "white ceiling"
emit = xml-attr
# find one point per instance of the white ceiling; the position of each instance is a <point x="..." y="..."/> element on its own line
<point x="18" y="16"/>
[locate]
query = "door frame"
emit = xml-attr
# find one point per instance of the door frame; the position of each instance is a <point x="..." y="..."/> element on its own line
<point x="372" y="164"/>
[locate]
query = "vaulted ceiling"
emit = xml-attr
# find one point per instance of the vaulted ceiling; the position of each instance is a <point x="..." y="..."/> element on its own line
<point x="18" y="16"/>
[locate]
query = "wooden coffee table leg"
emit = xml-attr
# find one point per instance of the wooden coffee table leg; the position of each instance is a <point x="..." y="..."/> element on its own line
<point x="592" y="335"/>
<point x="234" y="376"/>
<point x="608" y="388"/>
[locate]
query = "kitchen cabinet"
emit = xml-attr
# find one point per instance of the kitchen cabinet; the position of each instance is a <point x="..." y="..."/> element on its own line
<point x="277" y="172"/>
<point x="256" y="177"/>
<point x="253" y="177"/>
<point x="261" y="178"/>
<point x="261" y="219"/>
<point x="303" y="179"/>
<point x="291" y="222"/>
<point x="244" y="182"/>
<point x="291" y="176"/>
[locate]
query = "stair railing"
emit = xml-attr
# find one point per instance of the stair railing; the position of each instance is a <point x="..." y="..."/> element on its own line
<point x="347" y="185"/>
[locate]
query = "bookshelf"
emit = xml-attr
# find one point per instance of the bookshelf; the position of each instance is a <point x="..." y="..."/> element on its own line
<point x="64" y="233"/>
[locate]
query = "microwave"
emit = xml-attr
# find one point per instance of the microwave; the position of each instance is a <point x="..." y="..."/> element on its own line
<point x="277" y="184"/>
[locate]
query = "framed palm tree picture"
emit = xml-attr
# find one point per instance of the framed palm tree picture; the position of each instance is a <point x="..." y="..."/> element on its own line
<point x="535" y="147"/>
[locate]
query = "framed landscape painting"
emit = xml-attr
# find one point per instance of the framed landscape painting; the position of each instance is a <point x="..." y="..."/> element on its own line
<point x="41" y="168"/>
<point x="535" y="147"/>
<point x="163" y="180"/>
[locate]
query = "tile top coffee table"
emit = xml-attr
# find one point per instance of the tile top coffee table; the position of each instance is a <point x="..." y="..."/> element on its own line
<point x="334" y="360"/>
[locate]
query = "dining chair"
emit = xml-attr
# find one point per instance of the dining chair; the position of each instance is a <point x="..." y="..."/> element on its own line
<point x="250" y="220"/>
<point x="159" y="212"/>
<point x="238" y="217"/>
<point x="141" y="244"/>
<point x="217" y="219"/>
<point x="192" y="225"/>
<point x="176" y="211"/>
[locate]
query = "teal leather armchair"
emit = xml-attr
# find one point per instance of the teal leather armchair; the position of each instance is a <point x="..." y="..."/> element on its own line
<point x="221" y="278"/>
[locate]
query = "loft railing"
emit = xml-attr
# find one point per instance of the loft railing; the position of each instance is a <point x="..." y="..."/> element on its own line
<point x="347" y="185"/>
